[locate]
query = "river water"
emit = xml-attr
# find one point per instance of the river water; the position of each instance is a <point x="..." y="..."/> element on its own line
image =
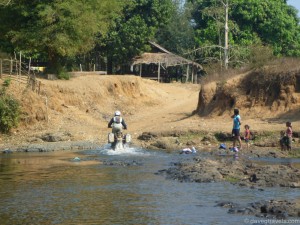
<point x="52" y="188"/>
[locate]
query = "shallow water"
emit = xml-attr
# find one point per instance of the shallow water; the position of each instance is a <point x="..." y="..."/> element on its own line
<point x="51" y="188"/>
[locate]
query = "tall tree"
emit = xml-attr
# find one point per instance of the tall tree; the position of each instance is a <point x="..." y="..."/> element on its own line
<point x="178" y="34"/>
<point x="57" y="29"/>
<point x="273" y="21"/>
<point x="251" y="22"/>
<point x="134" y="28"/>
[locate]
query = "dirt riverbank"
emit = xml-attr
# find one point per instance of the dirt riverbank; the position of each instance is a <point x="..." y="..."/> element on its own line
<point x="79" y="110"/>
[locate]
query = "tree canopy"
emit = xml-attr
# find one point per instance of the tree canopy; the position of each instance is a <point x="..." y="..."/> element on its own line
<point x="134" y="27"/>
<point x="61" y="31"/>
<point x="251" y="22"/>
<point x="56" y="29"/>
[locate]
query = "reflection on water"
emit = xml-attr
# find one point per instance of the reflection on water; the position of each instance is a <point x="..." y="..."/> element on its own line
<point x="49" y="188"/>
<point x="295" y="162"/>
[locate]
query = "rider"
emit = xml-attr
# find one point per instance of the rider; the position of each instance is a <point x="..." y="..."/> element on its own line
<point x="117" y="123"/>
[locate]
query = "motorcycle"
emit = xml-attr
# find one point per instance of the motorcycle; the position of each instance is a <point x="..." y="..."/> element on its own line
<point x="118" y="141"/>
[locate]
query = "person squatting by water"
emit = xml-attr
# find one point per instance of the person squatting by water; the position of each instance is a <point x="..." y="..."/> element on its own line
<point x="247" y="135"/>
<point x="236" y="128"/>
<point x="286" y="139"/>
<point x="117" y="123"/>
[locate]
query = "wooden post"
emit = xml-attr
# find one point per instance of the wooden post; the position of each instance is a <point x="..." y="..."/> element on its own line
<point x="20" y="69"/>
<point x="1" y="68"/>
<point x="94" y="67"/>
<point x="158" y="73"/>
<point x="80" y="67"/>
<point x="141" y="65"/>
<point x="187" y="73"/>
<point x="39" y="88"/>
<point x="11" y="66"/>
<point x="46" y="102"/>
<point x="17" y="71"/>
<point x="192" y="74"/>
<point x="29" y="64"/>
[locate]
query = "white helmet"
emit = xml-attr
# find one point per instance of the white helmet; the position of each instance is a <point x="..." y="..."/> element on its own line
<point x="117" y="113"/>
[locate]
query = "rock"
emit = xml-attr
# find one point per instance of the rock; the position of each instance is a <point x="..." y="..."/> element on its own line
<point x="267" y="209"/>
<point x="121" y="163"/>
<point x="147" y="136"/>
<point x="209" y="138"/>
<point x="295" y="185"/>
<point x="51" y="138"/>
<point x="7" y="151"/>
<point x="56" y="137"/>
<point x="236" y="172"/>
<point x="76" y="159"/>
<point x="222" y="136"/>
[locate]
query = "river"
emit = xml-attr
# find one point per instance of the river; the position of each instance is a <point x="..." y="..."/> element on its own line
<point x="52" y="188"/>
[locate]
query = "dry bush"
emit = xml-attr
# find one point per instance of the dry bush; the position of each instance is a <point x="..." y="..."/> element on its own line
<point x="216" y="74"/>
<point x="260" y="55"/>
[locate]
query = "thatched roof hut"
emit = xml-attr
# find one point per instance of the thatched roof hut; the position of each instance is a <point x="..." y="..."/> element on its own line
<point x="163" y="58"/>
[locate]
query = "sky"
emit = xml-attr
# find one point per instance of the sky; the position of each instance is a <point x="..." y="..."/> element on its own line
<point x="296" y="4"/>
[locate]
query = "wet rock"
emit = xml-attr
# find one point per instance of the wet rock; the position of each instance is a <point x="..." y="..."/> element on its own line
<point x="121" y="163"/>
<point x="55" y="137"/>
<point x="147" y="136"/>
<point x="295" y="185"/>
<point x="209" y="138"/>
<point x="238" y="172"/>
<point x="7" y="151"/>
<point x="267" y="209"/>
<point x="226" y="204"/>
<point x="34" y="140"/>
<point x="57" y="146"/>
<point x="253" y="178"/>
<point x="222" y="136"/>
<point x="165" y="143"/>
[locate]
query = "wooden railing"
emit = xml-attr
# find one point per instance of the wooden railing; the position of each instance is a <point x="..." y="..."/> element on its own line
<point x="20" y="72"/>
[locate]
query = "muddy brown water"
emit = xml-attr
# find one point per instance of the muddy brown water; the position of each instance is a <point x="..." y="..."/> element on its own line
<point x="52" y="188"/>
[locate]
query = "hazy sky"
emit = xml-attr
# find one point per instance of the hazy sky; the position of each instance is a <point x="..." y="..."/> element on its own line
<point x="296" y="4"/>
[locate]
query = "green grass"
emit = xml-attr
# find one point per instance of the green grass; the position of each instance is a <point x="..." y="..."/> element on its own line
<point x="190" y="136"/>
<point x="232" y="179"/>
<point x="295" y="153"/>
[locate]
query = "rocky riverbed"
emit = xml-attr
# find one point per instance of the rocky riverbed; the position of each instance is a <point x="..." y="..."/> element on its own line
<point x="243" y="172"/>
<point x="240" y="172"/>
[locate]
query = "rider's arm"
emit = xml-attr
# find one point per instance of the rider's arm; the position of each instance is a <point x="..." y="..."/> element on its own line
<point x="110" y="122"/>
<point x="124" y="124"/>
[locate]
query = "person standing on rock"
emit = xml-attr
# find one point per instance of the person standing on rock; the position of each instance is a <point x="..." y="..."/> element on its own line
<point x="236" y="128"/>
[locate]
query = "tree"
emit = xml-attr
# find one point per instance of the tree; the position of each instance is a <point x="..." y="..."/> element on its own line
<point x="133" y="28"/>
<point x="251" y="22"/>
<point x="273" y="21"/>
<point x="178" y="34"/>
<point x="57" y="29"/>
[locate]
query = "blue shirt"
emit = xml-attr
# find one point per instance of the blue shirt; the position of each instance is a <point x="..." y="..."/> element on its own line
<point x="236" y="122"/>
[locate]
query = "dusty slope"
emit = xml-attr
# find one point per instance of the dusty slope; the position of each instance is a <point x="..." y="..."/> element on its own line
<point x="82" y="106"/>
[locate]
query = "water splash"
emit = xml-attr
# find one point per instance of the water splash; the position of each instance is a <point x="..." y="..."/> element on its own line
<point x="107" y="150"/>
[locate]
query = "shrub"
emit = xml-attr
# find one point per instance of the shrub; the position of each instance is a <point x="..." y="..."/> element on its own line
<point x="9" y="110"/>
<point x="63" y="75"/>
